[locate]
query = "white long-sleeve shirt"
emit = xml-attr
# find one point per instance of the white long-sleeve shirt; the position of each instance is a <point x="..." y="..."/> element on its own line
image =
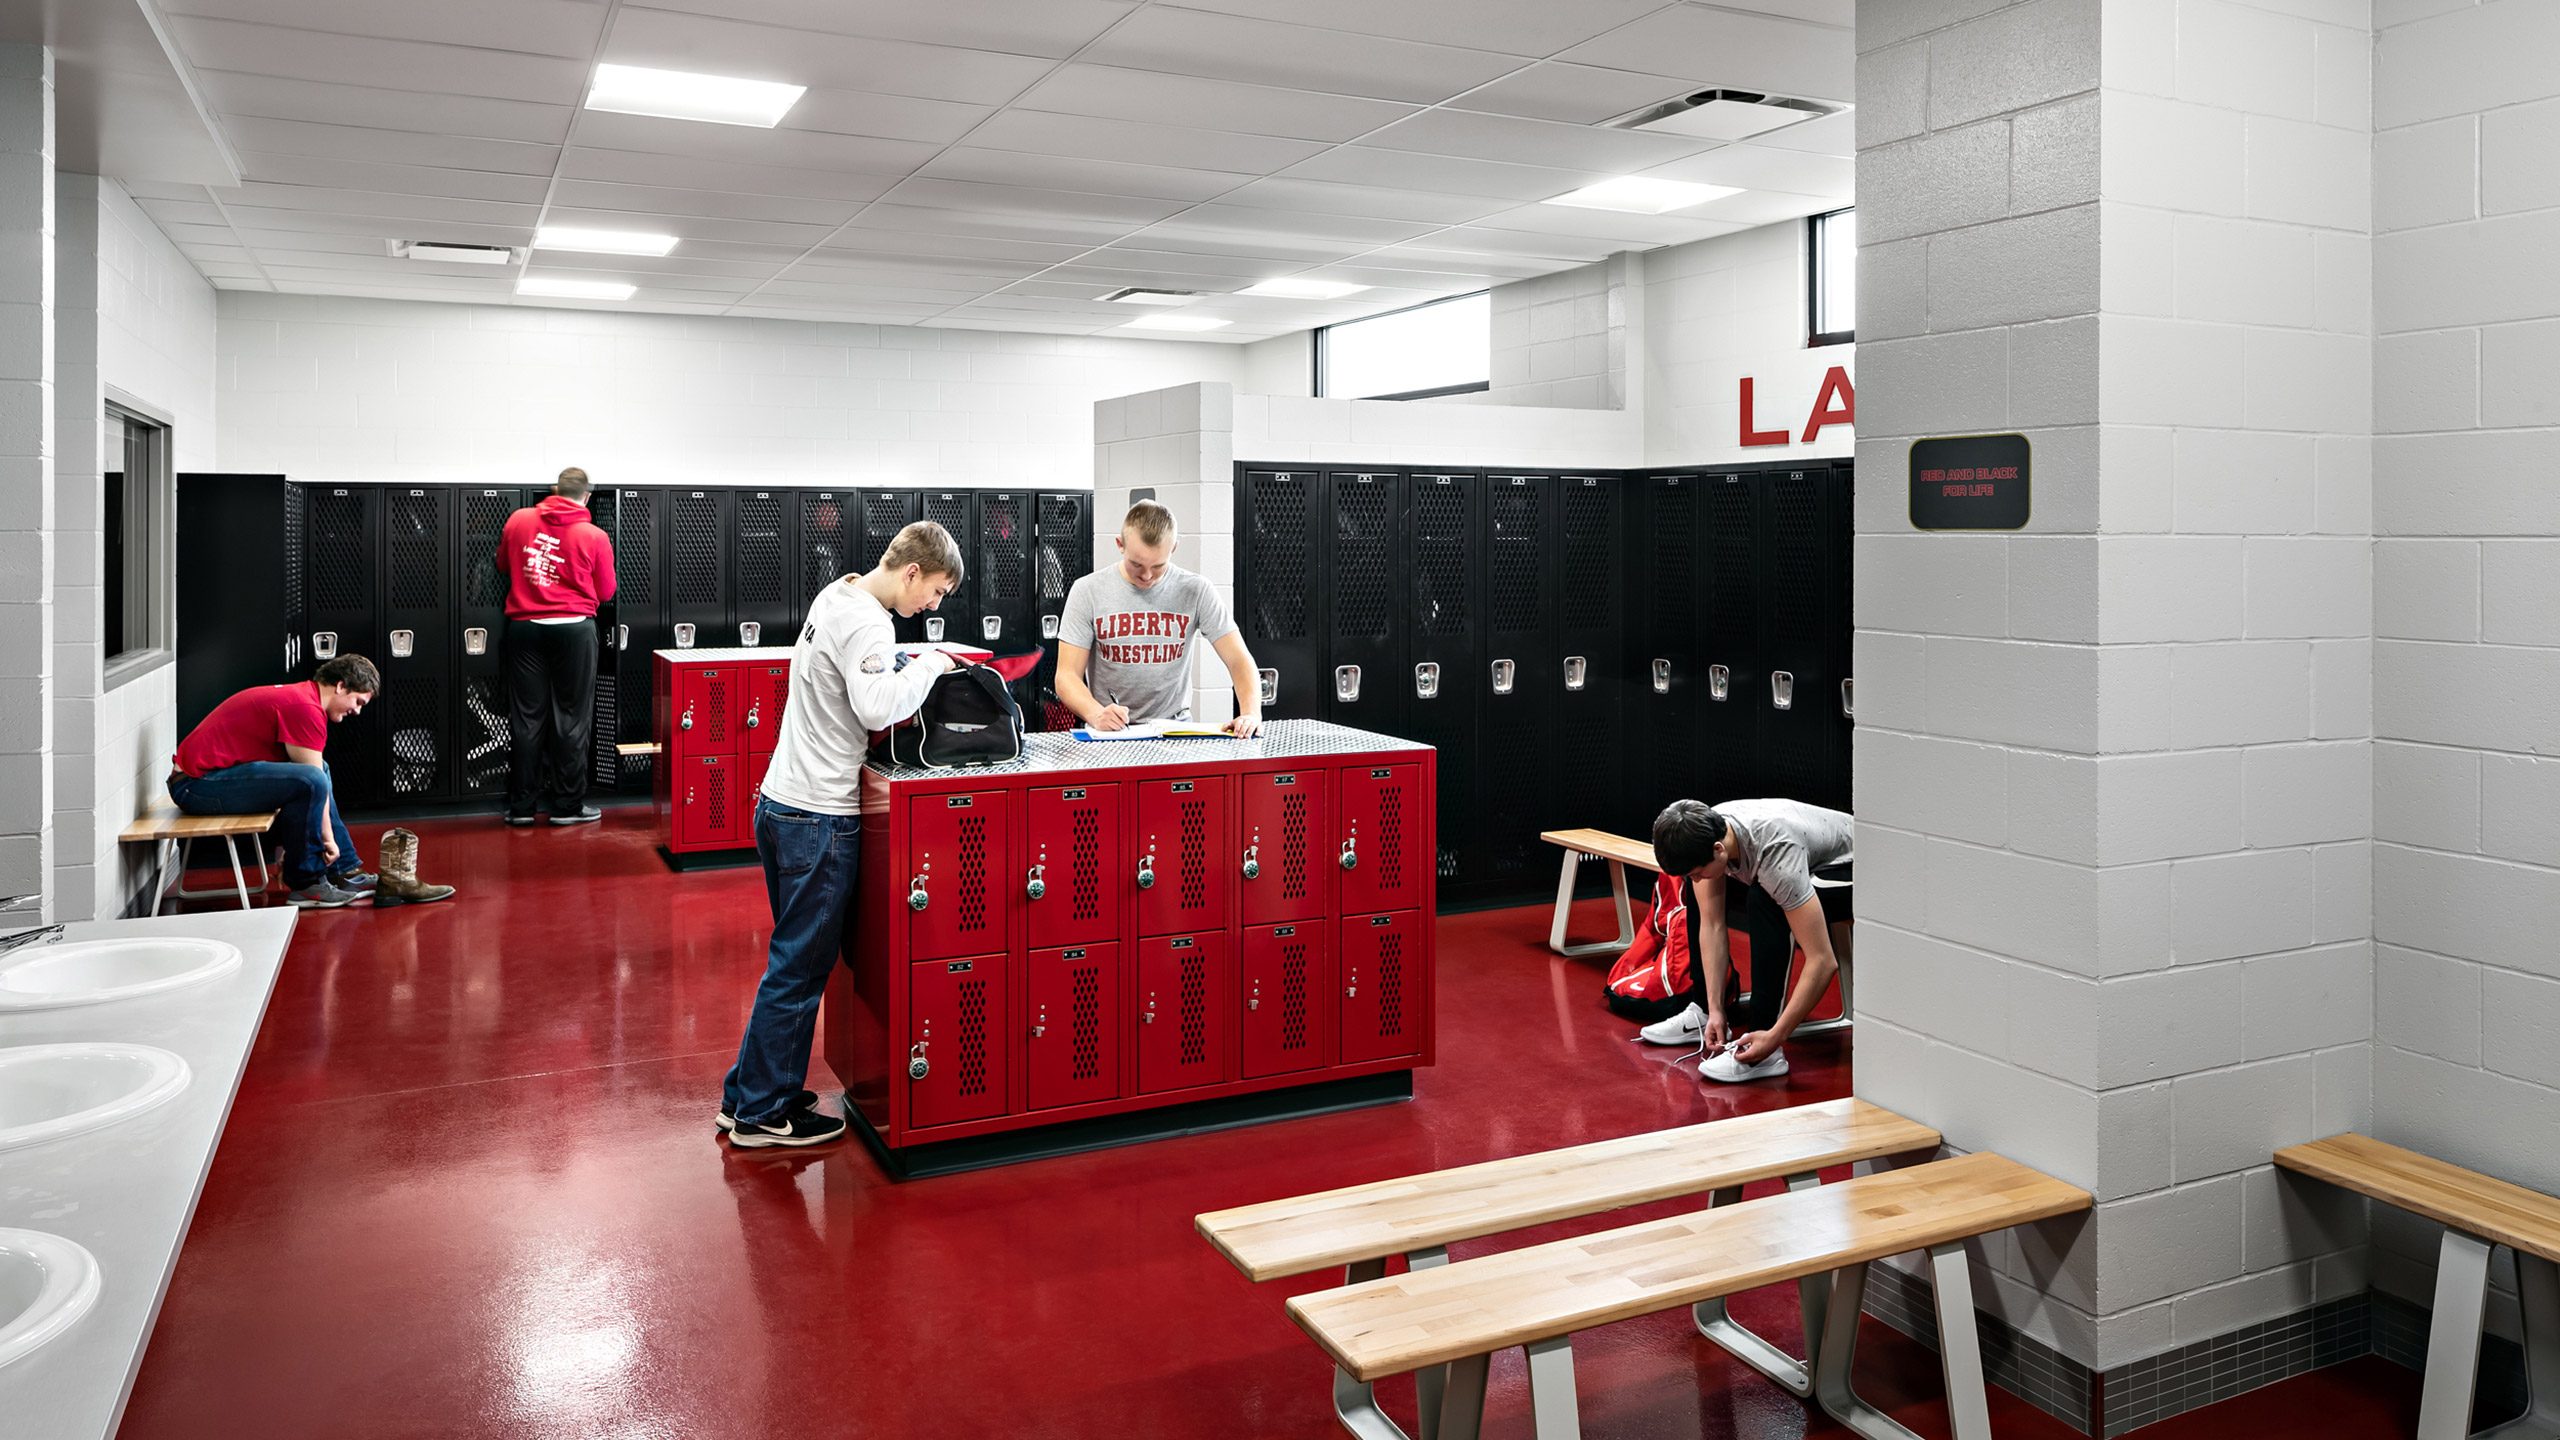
<point x="844" y="684"/>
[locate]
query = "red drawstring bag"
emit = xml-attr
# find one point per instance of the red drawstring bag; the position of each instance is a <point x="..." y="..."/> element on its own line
<point x="1652" y="978"/>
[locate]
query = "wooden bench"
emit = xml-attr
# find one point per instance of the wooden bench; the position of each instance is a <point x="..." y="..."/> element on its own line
<point x="1539" y="1298"/>
<point x="1419" y="1216"/>
<point x="636" y="747"/>
<point x="173" y="830"/>
<point x="2478" y="1213"/>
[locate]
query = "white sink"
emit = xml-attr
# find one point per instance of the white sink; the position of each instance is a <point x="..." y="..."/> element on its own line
<point x="50" y="1091"/>
<point x="84" y="972"/>
<point x="46" y="1284"/>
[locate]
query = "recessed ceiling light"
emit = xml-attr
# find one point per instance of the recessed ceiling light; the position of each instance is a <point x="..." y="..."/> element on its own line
<point x="1175" y="322"/>
<point x="1140" y="295"/>
<point x="1303" y="289"/>
<point x="458" y="254"/>
<point x="1725" y="114"/>
<point x="682" y="95"/>
<point x="575" y="289"/>
<point x="1637" y="195"/>
<point x="601" y="242"/>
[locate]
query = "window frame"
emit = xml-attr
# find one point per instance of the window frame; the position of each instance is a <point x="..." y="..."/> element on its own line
<point x="149" y="540"/>
<point x="1321" y="346"/>
<point x="1815" y="335"/>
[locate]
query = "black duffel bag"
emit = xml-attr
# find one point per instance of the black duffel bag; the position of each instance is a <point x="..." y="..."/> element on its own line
<point x="969" y="718"/>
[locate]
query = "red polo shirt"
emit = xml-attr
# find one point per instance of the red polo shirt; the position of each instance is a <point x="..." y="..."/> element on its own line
<point x="256" y="724"/>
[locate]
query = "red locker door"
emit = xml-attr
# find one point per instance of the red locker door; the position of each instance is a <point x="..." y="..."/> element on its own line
<point x="955" y="896"/>
<point x="756" y="762"/>
<point x="1073" y="1053"/>
<point x="1285" y="977"/>
<point x="1283" y="876"/>
<point x="764" y="690"/>
<point x="1073" y="839"/>
<point x="706" y="803"/>
<point x="1378" y="845"/>
<point x="1381" y="960"/>
<point x="1182" y="1007"/>
<point x="1182" y="877"/>
<point x="955" y="1026"/>
<point x="706" y="709"/>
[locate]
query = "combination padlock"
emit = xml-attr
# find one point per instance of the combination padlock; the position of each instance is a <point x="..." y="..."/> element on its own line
<point x="1037" y="887"/>
<point x="916" y="1068"/>
<point x="1040" y="1026"/>
<point x="1350" y="853"/>
<point x="916" y="898"/>
<point x="1352" y="990"/>
<point x="754" y="716"/>
<point x="687" y="722"/>
<point x="1252" y="862"/>
<point x="1147" y="871"/>
<point x="1254" y="1001"/>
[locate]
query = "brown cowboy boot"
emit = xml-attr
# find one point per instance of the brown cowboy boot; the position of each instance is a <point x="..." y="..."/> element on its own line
<point x="399" y="884"/>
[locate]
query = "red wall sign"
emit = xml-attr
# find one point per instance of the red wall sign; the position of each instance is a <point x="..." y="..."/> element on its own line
<point x="1835" y="388"/>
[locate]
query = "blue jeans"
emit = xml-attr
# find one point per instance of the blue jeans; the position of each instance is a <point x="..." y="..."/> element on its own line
<point x="809" y="866"/>
<point x="300" y="796"/>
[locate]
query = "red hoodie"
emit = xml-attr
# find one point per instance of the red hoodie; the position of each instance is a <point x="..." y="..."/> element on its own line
<point x="557" y="561"/>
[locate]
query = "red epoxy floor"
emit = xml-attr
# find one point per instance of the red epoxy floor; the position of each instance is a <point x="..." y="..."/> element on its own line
<point x="471" y="1188"/>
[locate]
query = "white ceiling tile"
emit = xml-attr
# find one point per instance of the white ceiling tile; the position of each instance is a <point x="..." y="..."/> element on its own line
<point x="1512" y="27"/>
<point x="890" y="117"/>
<point x="743" y="145"/>
<point x="1128" y="211"/>
<point x="1753" y="167"/>
<point x="195" y="211"/>
<point x="1113" y="93"/>
<point x="1087" y="138"/>
<point x="1754" y="207"/>
<point x="803" y="57"/>
<point x="1094" y="177"/>
<point x="644" y="200"/>
<point x="627" y="167"/>
<point x="1830" y="135"/>
<point x="703" y="230"/>
<point x="313" y="172"/>
<point x="1176" y="269"/>
<point x="1410" y="170"/>
<point x="1250" y="223"/>
<point x="1725" y="48"/>
<point x="325" y="103"/>
<point x="1047" y="229"/>
<point x="1299" y="57"/>
<point x="568" y="28"/>
<point x="1320" y="197"/>
<point x="1235" y="244"/>
<point x="1572" y="94"/>
<point x="391" y="147"/>
<point x="415" y="66"/>
<point x="1534" y="142"/>
<point x="1621" y="230"/>
<point x="857" y="244"/>
<point x="1053" y="28"/>
<point x="256" y="195"/>
<point x="1497" y="267"/>
<point x="1843" y="13"/>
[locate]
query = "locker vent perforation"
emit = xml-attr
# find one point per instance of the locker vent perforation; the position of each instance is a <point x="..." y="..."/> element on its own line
<point x="635" y="549"/>
<point x="1671" y="542"/>
<point x="822" y="551"/>
<point x="759" y="549"/>
<point x="1293" y="847"/>
<point x="1084" y="860"/>
<point x="694" y="553"/>
<point x="951" y="512"/>
<point x="1001" y="541"/>
<point x="1194" y="890"/>
<point x="1195" y="1008"/>
<point x="883" y="516"/>
<point x="715" y="704"/>
<point x="1084" y="1010"/>
<point x="1731" y="548"/>
<point x="1293" y="995"/>
<point x="1363" y="560"/>
<point x="1281" y="578"/>
<point x="484" y="522"/>
<point x="973" y="872"/>
<point x="971" y="1041"/>
<point x="1590" y="549"/>
<point x="339" y="553"/>
<point x="487" y="748"/>
<point x="417" y="724"/>
<point x="1516" y="572"/>
<point x="1390" y="982"/>
<point x="715" y="797"/>
<point x="1439" y="559"/>
<point x="416" y="571"/>
<point x="1064" y="557"/>
<point x="1511" y="743"/>
<point x="604" y="732"/>
<point x="1391" y="837"/>
<point x="1796" y="614"/>
<point x="294" y="504"/>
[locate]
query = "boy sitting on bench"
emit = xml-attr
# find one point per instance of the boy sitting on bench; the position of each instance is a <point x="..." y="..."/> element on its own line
<point x="1774" y="849"/>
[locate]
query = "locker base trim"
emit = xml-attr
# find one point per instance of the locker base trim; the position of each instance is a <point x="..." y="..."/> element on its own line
<point x="681" y="861"/>
<point x="1103" y="1132"/>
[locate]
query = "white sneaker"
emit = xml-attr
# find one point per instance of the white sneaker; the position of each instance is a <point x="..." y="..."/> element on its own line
<point x="1681" y="1029"/>
<point x="1726" y="1066"/>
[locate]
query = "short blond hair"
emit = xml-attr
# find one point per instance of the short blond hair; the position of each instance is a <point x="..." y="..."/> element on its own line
<point x="1149" y="521"/>
<point x="927" y="546"/>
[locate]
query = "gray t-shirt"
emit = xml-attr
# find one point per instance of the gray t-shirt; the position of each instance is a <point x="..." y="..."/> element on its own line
<point x="1141" y="639"/>
<point x="1778" y="844"/>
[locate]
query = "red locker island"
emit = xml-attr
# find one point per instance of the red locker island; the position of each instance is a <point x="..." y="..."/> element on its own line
<point x="718" y="713"/>
<point x="1106" y="942"/>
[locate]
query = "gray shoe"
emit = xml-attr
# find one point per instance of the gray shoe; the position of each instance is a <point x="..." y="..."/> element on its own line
<point x="321" y="895"/>
<point x="586" y="816"/>
<point x="355" y="880"/>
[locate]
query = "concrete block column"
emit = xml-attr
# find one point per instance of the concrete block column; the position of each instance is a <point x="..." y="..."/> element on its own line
<point x="2114" y="770"/>
<point x="26" y="470"/>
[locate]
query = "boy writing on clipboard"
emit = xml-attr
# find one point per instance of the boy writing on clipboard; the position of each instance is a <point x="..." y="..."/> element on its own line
<point x="1124" y="643"/>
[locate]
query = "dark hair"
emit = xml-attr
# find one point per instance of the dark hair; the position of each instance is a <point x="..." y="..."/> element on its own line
<point x="354" y="672"/>
<point x="573" y="484"/>
<point x="1685" y="836"/>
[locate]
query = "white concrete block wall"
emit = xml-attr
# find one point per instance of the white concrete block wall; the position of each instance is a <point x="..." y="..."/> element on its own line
<point x="2466" y="662"/>
<point x="1561" y="340"/>
<point x="1722" y="309"/>
<point x="27" y="508"/>
<point x="2122" y="760"/>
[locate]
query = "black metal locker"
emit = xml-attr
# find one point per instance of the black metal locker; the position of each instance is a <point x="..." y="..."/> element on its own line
<point x="1843" y="536"/>
<point x="1797" y="698"/>
<point x="343" y="568"/>
<point x="956" y="618"/>
<point x="417" y="624"/>
<point x="1731" y="763"/>
<point x="1000" y="573"/>
<point x="240" y="588"/>
<point x="1663" y="710"/>
<point x="1441" y="686"/>
<point x="1365" y="683"/>
<point x="1591" y="588"/>
<point x="830" y="536"/>
<point x="1062" y="554"/>
<point x="483" y="750"/>
<point x="1519" y="679"/>
<point x="1280" y="598"/>
<point x="764" y="570"/>
<point x="884" y="514"/>
<point x="699" y="582"/>
<point x="640" y="621"/>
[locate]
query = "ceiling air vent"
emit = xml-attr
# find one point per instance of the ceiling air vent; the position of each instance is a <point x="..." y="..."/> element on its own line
<point x="463" y="254"/>
<point x="1725" y="114"/>
<point x="1140" y="295"/>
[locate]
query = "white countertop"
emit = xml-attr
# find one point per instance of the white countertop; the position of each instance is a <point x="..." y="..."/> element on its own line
<point x="128" y="1192"/>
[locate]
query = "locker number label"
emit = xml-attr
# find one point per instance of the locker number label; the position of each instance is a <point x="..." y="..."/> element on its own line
<point x="960" y="967"/>
<point x="1279" y="931"/>
<point x="1284" y="779"/>
<point x="1070" y="954"/>
<point x="959" y="802"/>
<point x="1382" y="774"/>
<point x="1184" y="943"/>
<point x="1071" y="794"/>
<point x="1184" y="787"/>
<point x="1380" y="921"/>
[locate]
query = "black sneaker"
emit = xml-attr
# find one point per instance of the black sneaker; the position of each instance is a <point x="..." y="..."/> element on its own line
<point x="587" y="816"/>
<point x="799" y="1127"/>
<point x="805" y="1100"/>
<point x="522" y="820"/>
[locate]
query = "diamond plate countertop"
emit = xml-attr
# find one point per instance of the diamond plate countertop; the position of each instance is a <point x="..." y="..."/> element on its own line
<point x="1279" y="740"/>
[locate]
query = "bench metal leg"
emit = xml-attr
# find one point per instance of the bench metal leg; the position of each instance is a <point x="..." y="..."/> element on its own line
<point x="1552" y="1403"/>
<point x="1462" y="1414"/>
<point x="239" y="876"/>
<point x="1355" y="1402"/>
<point x="1813" y="1296"/>
<point x="1959" y="1350"/>
<point x="2453" y="1343"/>
<point x="1564" y="907"/>
<point x="2538" y="1288"/>
<point x="1848" y="1015"/>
